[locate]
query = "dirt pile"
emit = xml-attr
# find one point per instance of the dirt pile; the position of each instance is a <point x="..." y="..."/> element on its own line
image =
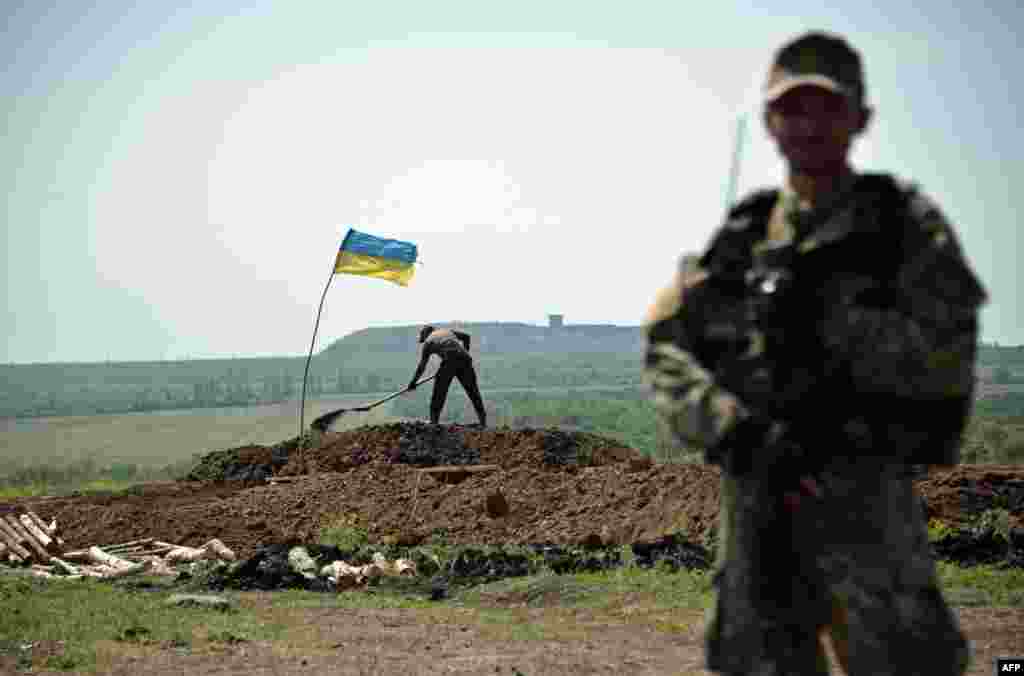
<point x="245" y="463"/>
<point x="424" y="445"/>
<point x="557" y="488"/>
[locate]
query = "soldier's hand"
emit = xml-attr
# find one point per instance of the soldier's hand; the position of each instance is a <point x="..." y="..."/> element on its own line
<point x="669" y="299"/>
<point x="412" y="386"/>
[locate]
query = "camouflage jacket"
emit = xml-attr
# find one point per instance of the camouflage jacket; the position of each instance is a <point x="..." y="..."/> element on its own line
<point x="871" y="350"/>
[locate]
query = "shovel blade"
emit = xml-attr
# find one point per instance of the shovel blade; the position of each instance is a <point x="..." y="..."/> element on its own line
<point x="323" y="422"/>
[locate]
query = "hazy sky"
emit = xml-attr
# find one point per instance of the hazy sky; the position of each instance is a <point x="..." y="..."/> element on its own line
<point x="177" y="182"/>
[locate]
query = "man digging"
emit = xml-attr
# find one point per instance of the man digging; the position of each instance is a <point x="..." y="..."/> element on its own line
<point x="821" y="346"/>
<point x="456" y="362"/>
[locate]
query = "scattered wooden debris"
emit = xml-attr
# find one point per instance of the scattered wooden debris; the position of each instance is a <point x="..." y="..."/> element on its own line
<point x="28" y="541"/>
<point x="345" y="576"/>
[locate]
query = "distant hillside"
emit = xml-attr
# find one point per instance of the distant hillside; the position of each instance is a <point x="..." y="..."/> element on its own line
<point x="494" y="338"/>
<point x="371" y="360"/>
<point x="382" y="359"/>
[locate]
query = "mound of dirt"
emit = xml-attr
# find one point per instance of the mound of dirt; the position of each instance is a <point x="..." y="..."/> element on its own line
<point x="557" y="487"/>
<point x="425" y="445"/>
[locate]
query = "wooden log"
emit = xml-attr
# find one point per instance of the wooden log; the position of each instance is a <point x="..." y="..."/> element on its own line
<point x="37" y="549"/>
<point x="158" y="543"/>
<point x="142" y="553"/>
<point x="12" y="542"/>
<point x="122" y="545"/>
<point x="186" y="555"/>
<point x="33" y="529"/>
<point x="50" y="528"/>
<point x="220" y="550"/>
<point x="80" y="555"/>
<point x="65" y="566"/>
<point x="12" y="538"/>
<point x="97" y="555"/>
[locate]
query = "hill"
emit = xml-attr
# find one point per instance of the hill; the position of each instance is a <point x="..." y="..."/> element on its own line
<point x="370" y="360"/>
<point x="493" y="338"/>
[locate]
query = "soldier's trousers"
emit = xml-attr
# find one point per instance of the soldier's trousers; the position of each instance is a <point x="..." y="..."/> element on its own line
<point x="460" y="367"/>
<point x="854" y="563"/>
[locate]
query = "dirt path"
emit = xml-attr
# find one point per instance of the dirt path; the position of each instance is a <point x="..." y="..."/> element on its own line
<point x="451" y="641"/>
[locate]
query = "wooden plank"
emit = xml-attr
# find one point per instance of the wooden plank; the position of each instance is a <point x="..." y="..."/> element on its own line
<point x="50" y="528"/>
<point x="45" y="540"/>
<point x="470" y="469"/>
<point x="101" y="557"/>
<point x="80" y="555"/>
<point x="65" y="566"/>
<point x="13" y="540"/>
<point x="121" y="545"/>
<point x="38" y="551"/>
<point x="165" y="544"/>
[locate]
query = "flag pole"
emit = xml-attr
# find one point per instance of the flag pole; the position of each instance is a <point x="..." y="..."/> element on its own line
<point x="305" y="374"/>
<point x="734" y="170"/>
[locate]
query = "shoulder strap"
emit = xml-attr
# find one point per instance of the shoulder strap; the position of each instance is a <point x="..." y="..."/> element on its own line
<point x="883" y="211"/>
<point x="728" y="253"/>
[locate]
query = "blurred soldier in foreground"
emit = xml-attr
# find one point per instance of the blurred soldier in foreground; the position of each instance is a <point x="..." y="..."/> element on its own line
<point x="456" y="362"/>
<point x="822" y="345"/>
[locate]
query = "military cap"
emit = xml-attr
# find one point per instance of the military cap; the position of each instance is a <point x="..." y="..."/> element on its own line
<point x="816" y="59"/>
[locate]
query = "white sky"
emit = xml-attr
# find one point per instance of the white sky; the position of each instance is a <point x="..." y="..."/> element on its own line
<point x="178" y="182"/>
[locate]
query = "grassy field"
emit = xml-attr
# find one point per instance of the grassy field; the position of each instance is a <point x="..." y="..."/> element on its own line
<point x="112" y="451"/>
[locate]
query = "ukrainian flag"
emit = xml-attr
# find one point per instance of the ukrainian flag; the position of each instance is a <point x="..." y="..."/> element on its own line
<point x="370" y="256"/>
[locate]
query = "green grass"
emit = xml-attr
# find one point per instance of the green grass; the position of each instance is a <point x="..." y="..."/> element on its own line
<point x="85" y="487"/>
<point x="345" y="531"/>
<point x="84" y="614"/>
<point x="352" y="599"/>
<point x="982" y="585"/>
<point x="602" y="590"/>
<point x="93" y="618"/>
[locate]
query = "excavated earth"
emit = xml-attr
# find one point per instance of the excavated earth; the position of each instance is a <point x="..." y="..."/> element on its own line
<point x="548" y="486"/>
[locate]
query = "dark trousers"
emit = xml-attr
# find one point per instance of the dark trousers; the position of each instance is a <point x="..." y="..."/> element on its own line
<point x="461" y="368"/>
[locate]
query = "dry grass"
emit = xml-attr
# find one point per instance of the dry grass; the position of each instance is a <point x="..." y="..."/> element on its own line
<point x="159" y="439"/>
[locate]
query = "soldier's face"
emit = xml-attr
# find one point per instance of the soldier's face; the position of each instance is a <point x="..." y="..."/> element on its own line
<point x="814" y="128"/>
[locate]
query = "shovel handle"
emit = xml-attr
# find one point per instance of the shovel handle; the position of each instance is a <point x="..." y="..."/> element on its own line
<point x="392" y="396"/>
<point x="325" y="420"/>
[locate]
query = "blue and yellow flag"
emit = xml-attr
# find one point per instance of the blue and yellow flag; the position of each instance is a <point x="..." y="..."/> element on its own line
<point x="363" y="254"/>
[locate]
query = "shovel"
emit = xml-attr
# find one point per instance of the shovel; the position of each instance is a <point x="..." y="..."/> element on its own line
<point x="323" y="422"/>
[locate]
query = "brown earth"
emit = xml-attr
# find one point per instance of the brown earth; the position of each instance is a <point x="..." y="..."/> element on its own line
<point x="627" y="638"/>
<point x="608" y="490"/>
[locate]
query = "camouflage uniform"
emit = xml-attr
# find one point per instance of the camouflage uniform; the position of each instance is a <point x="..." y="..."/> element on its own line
<point x="871" y="364"/>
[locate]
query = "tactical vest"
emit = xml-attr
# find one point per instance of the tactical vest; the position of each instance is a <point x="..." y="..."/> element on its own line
<point x="780" y="367"/>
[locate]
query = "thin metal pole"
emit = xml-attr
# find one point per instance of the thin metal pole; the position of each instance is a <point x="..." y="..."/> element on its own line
<point x="734" y="170"/>
<point x="305" y="374"/>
